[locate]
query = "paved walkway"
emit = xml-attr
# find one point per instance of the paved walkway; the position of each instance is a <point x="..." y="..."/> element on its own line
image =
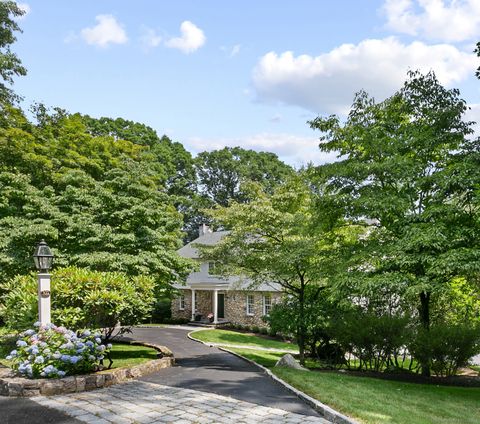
<point x="206" y="386"/>
<point x="140" y="402"/>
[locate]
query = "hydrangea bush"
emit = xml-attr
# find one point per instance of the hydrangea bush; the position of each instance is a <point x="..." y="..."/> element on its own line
<point x="52" y="352"/>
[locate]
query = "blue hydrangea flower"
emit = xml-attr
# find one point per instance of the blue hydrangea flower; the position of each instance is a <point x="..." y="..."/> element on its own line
<point x="109" y="346"/>
<point x="37" y="324"/>
<point x="98" y="340"/>
<point x="57" y="355"/>
<point x="65" y="358"/>
<point x="89" y="343"/>
<point x="13" y="352"/>
<point x="21" y="343"/>
<point x="86" y="333"/>
<point x="39" y="360"/>
<point x="29" y="332"/>
<point x="8" y="357"/>
<point x="61" y="373"/>
<point x="91" y="358"/>
<point x="75" y="359"/>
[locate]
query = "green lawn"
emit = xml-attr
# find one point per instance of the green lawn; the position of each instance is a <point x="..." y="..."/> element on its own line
<point x="377" y="401"/>
<point x="267" y="359"/>
<point x="125" y="355"/>
<point x="226" y="337"/>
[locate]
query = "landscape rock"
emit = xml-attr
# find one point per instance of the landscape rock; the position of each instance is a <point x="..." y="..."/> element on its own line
<point x="289" y="361"/>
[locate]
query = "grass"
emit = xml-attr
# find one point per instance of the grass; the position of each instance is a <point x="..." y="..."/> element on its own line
<point x="125" y="355"/>
<point x="226" y="337"/>
<point x="262" y="357"/>
<point x="377" y="401"/>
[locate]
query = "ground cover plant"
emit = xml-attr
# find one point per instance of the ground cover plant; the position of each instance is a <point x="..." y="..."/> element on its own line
<point x="227" y="337"/>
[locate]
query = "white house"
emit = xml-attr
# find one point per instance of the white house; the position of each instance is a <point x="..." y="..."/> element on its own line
<point x="230" y="299"/>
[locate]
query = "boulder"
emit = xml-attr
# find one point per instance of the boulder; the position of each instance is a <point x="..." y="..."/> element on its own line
<point x="289" y="361"/>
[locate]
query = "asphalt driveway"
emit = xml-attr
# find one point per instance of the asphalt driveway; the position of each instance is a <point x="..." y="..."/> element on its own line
<point x="209" y="369"/>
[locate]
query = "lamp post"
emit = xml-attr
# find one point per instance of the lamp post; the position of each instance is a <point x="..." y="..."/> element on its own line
<point x="43" y="258"/>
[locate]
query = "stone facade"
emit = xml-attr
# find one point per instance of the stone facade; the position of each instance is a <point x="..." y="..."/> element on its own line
<point x="235" y="305"/>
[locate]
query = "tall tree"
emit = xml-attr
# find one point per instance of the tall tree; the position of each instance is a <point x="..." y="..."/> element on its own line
<point x="10" y="64"/>
<point x="275" y="238"/>
<point x="397" y="156"/>
<point x="222" y="172"/>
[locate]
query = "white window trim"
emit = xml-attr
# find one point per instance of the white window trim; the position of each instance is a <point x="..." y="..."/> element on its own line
<point x="247" y="309"/>
<point x="265" y="296"/>
<point x="181" y="302"/>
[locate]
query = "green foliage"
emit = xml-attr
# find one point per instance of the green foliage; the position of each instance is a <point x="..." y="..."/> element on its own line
<point x="161" y="310"/>
<point x="100" y="202"/>
<point x="445" y="348"/>
<point x="222" y="172"/>
<point x="376" y="342"/>
<point x="81" y="299"/>
<point x="276" y="238"/>
<point x="409" y="172"/>
<point x="10" y="64"/>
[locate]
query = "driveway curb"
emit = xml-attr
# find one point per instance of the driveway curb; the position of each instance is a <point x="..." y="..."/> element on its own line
<point x="324" y="410"/>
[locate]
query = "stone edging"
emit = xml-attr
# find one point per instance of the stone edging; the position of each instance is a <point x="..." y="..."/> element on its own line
<point x="324" y="410"/>
<point x="24" y="387"/>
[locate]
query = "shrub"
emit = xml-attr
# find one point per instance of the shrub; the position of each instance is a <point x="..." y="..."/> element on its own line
<point x="81" y="299"/>
<point x="373" y="342"/>
<point x="161" y="310"/>
<point x="264" y="330"/>
<point x="255" y="329"/>
<point x="445" y="348"/>
<point x="53" y="352"/>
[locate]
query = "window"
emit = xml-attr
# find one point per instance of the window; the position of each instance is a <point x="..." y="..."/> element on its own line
<point x="250" y="304"/>
<point x="267" y="304"/>
<point x="212" y="268"/>
<point x="181" y="305"/>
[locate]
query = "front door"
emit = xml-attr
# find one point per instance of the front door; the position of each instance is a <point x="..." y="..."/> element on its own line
<point x="221" y="305"/>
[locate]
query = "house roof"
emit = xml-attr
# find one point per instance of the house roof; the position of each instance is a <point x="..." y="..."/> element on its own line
<point x="209" y="239"/>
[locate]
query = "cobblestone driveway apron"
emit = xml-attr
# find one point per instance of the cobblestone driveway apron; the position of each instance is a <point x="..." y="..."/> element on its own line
<point x="142" y="402"/>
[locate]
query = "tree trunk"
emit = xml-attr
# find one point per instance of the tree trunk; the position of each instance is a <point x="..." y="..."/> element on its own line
<point x="301" y="323"/>
<point x="425" y="321"/>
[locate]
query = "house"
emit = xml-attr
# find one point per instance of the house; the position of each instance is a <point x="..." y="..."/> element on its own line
<point x="228" y="299"/>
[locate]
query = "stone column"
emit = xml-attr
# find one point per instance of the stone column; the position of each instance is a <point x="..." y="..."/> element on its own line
<point x="193" y="305"/>
<point x="44" y="298"/>
<point x="215" y="307"/>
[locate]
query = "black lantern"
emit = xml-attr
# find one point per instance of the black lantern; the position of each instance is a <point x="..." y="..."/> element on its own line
<point x="43" y="257"/>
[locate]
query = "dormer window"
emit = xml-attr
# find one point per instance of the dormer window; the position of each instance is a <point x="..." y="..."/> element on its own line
<point x="212" y="268"/>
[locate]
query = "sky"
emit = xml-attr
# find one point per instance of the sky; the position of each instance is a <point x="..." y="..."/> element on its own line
<point x="247" y="73"/>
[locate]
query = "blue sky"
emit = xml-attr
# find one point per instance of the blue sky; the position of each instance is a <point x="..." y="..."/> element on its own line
<point x="251" y="73"/>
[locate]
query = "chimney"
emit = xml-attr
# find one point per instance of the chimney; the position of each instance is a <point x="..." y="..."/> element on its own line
<point x="204" y="229"/>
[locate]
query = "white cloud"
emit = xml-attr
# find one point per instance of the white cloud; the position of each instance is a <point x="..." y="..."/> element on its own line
<point x="26" y="8"/>
<point x="444" y="20"/>
<point x="192" y="38"/>
<point x="150" y="38"/>
<point x="473" y="114"/>
<point x="235" y="50"/>
<point x="107" y="31"/>
<point x="327" y="83"/>
<point x="292" y="149"/>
